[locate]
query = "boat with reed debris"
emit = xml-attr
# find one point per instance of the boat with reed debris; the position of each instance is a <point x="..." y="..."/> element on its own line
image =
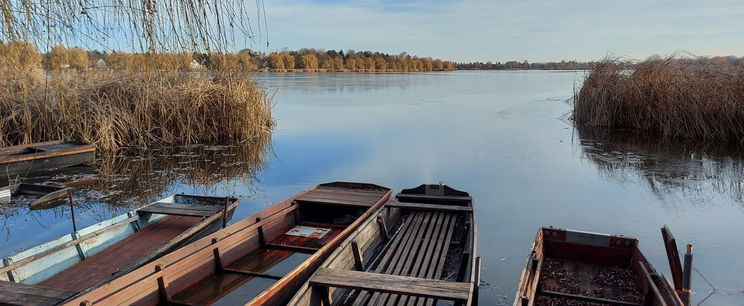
<point x="568" y="267"/>
<point x="420" y="249"/>
<point x="261" y="260"/>
<point x="106" y="250"/>
<point x="26" y="159"/>
<point x="34" y="196"/>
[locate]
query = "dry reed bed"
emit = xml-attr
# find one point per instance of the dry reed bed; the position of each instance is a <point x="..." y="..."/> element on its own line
<point x="673" y="97"/>
<point x="120" y="109"/>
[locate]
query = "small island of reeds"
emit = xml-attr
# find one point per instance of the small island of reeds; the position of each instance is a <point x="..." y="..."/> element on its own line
<point x="123" y="108"/>
<point x="699" y="98"/>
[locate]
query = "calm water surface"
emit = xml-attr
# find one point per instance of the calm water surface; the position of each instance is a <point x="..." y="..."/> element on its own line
<point x="501" y="136"/>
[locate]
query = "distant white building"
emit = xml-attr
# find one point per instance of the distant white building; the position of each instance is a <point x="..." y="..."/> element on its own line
<point x="196" y="65"/>
<point x="101" y="63"/>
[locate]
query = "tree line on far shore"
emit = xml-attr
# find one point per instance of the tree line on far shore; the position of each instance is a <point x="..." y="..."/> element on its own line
<point x="62" y="58"/>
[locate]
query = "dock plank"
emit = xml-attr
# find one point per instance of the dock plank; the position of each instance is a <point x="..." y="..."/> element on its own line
<point x="394" y="284"/>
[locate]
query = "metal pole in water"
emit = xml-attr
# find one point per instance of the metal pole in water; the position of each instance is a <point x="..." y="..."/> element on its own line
<point x="687" y="276"/>
<point x="72" y="211"/>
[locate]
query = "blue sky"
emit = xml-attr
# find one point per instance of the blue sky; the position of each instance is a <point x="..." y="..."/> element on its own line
<point x="471" y="30"/>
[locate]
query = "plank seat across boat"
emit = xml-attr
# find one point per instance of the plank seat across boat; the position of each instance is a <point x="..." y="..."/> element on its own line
<point x="43" y="156"/>
<point x="103" y="251"/>
<point x="260" y="260"/>
<point x="568" y="267"/>
<point x="419" y="249"/>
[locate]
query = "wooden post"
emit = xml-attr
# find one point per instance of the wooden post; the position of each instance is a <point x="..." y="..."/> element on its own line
<point x="224" y="213"/>
<point x="673" y="257"/>
<point x="358" y="261"/>
<point x="72" y="211"/>
<point x="383" y="229"/>
<point x="687" y="276"/>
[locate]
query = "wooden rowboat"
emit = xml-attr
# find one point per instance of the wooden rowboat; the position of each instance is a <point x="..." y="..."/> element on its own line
<point x="260" y="260"/>
<point x="37" y="196"/>
<point x="106" y="250"/>
<point x="567" y="267"/>
<point x="43" y="156"/>
<point x="418" y="250"/>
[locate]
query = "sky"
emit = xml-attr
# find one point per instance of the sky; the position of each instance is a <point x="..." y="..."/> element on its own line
<point x="479" y="30"/>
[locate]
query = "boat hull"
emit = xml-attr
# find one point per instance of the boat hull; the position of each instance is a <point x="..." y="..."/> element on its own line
<point x="46" y="156"/>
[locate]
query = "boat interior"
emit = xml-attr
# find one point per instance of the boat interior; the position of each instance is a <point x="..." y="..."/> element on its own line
<point x="91" y="255"/>
<point x="253" y="259"/>
<point x="569" y="267"/>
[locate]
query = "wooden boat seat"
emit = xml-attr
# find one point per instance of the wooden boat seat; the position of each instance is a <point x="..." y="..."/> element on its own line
<point x="342" y="196"/>
<point x="181" y="209"/>
<point x="419" y="249"/>
<point x="23" y="294"/>
<point x="406" y="285"/>
<point x="103" y="264"/>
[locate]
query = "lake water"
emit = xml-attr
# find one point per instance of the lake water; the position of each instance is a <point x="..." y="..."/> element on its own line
<point x="502" y="136"/>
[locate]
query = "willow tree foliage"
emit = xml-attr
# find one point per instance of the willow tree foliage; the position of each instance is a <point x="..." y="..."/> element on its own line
<point x="146" y="25"/>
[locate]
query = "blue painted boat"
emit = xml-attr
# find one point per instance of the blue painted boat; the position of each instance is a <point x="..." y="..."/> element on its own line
<point x="103" y="251"/>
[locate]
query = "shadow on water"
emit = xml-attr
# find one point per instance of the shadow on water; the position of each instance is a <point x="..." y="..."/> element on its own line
<point x="114" y="184"/>
<point x="693" y="169"/>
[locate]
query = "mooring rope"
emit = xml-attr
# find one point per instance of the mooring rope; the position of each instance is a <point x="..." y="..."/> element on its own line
<point x="712" y="292"/>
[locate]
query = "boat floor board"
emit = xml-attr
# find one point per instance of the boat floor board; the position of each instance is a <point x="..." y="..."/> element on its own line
<point x="225" y="286"/>
<point x="102" y="265"/>
<point x="23" y="294"/>
<point x="419" y="250"/>
<point x="181" y="209"/>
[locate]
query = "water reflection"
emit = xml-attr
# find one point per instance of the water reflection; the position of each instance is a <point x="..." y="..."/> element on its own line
<point x="670" y="168"/>
<point x="132" y="178"/>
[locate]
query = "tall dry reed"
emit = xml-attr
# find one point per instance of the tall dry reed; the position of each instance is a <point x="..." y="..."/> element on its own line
<point x="673" y="97"/>
<point x="122" y="109"/>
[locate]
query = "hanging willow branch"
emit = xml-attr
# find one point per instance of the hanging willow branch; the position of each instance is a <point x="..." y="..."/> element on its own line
<point x="146" y="25"/>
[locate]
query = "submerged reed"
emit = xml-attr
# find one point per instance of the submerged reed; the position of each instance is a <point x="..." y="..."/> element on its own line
<point x="673" y="97"/>
<point x="123" y="109"/>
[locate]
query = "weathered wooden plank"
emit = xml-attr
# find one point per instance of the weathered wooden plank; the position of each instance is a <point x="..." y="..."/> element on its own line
<point x="391" y="284"/>
<point x="400" y="257"/>
<point x="434" y="197"/>
<point x="434" y="207"/>
<point x="23" y="294"/>
<point x="180" y="209"/>
<point x="442" y="254"/>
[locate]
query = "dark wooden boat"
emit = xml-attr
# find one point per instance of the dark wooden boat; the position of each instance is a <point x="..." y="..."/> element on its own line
<point x="260" y="260"/>
<point x="93" y="255"/>
<point x="567" y="267"/>
<point x="43" y="156"/>
<point x="418" y="250"/>
<point x="35" y="196"/>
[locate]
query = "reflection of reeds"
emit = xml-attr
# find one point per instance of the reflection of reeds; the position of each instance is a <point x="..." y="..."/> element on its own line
<point x="693" y="167"/>
<point x="137" y="177"/>
<point x="674" y="97"/>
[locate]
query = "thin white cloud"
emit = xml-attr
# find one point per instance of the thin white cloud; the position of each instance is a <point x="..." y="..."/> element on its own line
<point x="503" y="30"/>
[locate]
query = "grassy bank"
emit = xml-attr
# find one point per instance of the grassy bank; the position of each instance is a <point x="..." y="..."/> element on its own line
<point x="115" y="109"/>
<point x="672" y="97"/>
